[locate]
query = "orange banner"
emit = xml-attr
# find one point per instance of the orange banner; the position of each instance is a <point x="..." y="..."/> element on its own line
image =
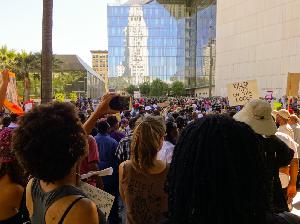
<point x="15" y="109"/>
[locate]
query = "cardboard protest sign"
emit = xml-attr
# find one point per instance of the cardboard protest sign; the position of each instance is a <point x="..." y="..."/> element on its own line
<point x="102" y="199"/>
<point x="292" y="88"/>
<point x="240" y="93"/>
<point x="11" y="101"/>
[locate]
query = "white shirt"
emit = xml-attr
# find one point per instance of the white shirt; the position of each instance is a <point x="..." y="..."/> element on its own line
<point x="286" y="129"/>
<point x="296" y="129"/>
<point x="166" y="152"/>
<point x="289" y="141"/>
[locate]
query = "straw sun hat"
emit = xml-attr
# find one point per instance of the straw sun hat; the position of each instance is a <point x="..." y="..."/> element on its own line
<point x="257" y="114"/>
<point x="282" y="113"/>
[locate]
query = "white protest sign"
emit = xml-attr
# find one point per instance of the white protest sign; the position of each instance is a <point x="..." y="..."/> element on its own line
<point x="137" y="94"/>
<point x="102" y="199"/>
<point x="240" y="93"/>
<point x="101" y="173"/>
<point x="28" y="106"/>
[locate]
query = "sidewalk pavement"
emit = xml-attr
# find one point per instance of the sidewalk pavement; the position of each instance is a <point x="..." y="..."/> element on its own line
<point x="296" y="204"/>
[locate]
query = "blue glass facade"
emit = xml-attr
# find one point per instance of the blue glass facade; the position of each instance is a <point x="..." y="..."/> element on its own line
<point x="161" y="40"/>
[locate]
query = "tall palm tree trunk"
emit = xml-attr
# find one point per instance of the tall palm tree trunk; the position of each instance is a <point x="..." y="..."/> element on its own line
<point x="26" y="87"/>
<point x="46" y="79"/>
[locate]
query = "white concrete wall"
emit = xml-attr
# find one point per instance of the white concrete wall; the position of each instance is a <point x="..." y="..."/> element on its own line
<point x="257" y="39"/>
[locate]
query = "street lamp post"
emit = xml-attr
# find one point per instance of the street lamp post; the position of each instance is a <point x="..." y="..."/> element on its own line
<point x="211" y="60"/>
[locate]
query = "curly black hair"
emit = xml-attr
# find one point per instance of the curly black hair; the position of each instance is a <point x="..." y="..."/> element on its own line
<point x="216" y="175"/>
<point x="14" y="171"/>
<point x="49" y="141"/>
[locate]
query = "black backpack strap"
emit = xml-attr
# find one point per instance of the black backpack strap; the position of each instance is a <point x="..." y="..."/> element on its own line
<point x="69" y="208"/>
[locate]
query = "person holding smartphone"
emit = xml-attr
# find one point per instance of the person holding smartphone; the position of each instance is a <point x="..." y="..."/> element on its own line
<point x="50" y="143"/>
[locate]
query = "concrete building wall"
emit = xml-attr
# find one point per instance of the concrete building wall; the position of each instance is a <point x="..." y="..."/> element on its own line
<point x="257" y="39"/>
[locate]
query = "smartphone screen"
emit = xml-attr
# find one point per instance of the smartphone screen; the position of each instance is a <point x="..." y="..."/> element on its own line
<point x="120" y="103"/>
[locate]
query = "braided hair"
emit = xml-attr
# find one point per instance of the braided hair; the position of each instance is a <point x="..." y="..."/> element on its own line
<point x="216" y="174"/>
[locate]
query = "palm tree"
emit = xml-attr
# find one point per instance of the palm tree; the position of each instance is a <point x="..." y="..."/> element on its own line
<point x="24" y="64"/>
<point x="7" y="57"/>
<point x="46" y="71"/>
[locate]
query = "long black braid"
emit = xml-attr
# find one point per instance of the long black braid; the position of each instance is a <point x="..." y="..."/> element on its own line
<point x="216" y="175"/>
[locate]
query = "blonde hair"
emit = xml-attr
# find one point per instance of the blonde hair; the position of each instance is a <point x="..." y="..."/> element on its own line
<point x="146" y="141"/>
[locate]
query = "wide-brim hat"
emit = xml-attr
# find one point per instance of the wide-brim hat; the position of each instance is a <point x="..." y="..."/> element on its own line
<point x="295" y="117"/>
<point x="285" y="114"/>
<point x="257" y="114"/>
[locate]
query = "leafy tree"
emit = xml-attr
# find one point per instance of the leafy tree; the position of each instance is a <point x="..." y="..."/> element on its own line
<point x="177" y="88"/>
<point x="117" y="83"/>
<point x="158" y="88"/>
<point x="27" y="66"/>
<point x="145" y="88"/>
<point x="7" y="58"/>
<point x="61" y="81"/>
<point x="24" y="64"/>
<point x="131" y="88"/>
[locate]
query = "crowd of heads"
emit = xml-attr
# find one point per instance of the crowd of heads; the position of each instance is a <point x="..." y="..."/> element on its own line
<point x="214" y="153"/>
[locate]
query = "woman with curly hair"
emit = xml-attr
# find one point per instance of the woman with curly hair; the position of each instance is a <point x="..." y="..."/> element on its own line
<point x="50" y="143"/>
<point x="142" y="177"/>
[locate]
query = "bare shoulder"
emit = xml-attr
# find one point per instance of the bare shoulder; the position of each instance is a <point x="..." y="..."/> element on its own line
<point x="28" y="196"/>
<point x="127" y="162"/>
<point x="14" y="190"/>
<point x="84" y="211"/>
<point x="12" y="195"/>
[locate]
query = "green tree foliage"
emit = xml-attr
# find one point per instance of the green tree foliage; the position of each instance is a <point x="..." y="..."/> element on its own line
<point x="177" y="88"/>
<point x="131" y="88"/>
<point x="24" y="64"/>
<point x="158" y="88"/>
<point x="145" y="88"/>
<point x="7" y="58"/>
<point x="63" y="80"/>
<point x="117" y="83"/>
<point x="27" y="67"/>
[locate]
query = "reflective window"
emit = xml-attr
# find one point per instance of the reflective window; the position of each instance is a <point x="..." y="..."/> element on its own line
<point x="156" y="41"/>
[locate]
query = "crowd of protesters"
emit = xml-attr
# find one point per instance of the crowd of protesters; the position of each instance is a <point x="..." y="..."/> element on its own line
<point x="181" y="161"/>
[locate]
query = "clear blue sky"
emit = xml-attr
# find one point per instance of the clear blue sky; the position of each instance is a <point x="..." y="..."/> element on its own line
<point x="78" y="26"/>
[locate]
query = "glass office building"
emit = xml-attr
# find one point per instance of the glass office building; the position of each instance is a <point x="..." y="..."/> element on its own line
<point x="161" y="39"/>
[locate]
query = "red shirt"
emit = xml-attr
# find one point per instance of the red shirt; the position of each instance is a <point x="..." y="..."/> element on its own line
<point x="93" y="156"/>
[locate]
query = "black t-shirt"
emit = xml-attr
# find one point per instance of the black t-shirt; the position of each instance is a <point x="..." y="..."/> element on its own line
<point x="276" y="154"/>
